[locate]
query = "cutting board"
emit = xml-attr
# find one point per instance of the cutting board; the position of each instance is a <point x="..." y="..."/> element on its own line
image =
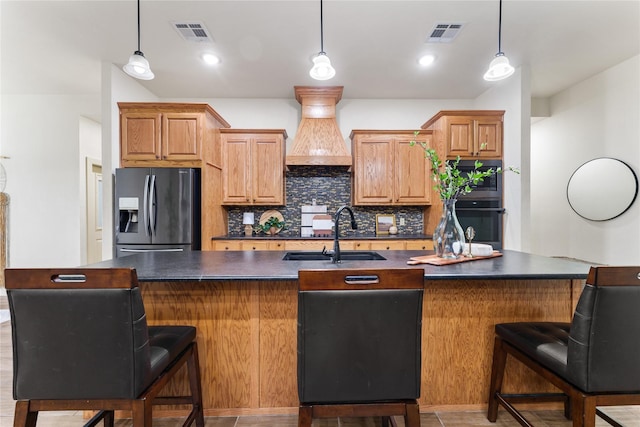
<point x="435" y="260"/>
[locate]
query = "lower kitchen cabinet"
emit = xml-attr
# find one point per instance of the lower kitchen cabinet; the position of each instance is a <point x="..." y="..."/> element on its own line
<point x="248" y="245"/>
<point x="320" y="244"/>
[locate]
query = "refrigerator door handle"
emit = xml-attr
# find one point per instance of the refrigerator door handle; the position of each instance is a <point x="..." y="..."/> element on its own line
<point x="152" y="206"/>
<point x="145" y="209"/>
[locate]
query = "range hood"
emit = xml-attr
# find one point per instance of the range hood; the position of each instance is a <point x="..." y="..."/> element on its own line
<point x="318" y="140"/>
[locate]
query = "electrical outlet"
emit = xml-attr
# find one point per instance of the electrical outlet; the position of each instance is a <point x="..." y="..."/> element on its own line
<point x="402" y="221"/>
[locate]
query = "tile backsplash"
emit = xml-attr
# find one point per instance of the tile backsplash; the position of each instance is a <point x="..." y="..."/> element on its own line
<point x="329" y="186"/>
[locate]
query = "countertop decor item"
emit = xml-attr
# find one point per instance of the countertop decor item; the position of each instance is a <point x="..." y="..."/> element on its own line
<point x="271" y="222"/>
<point x="448" y="237"/>
<point x="248" y="220"/>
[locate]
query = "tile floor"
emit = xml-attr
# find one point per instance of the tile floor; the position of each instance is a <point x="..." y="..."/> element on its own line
<point x="627" y="416"/>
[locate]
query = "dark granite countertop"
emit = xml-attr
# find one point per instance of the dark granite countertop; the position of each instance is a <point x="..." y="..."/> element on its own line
<point x="268" y="265"/>
<point x="348" y="235"/>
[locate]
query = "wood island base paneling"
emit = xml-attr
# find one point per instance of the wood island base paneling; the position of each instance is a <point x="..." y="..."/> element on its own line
<point x="247" y="338"/>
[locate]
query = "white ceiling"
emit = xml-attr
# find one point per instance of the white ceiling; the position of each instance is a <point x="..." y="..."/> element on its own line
<point x="56" y="47"/>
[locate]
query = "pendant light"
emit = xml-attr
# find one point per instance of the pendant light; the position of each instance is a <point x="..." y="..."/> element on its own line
<point x="499" y="68"/>
<point x="322" y="69"/>
<point x="138" y="66"/>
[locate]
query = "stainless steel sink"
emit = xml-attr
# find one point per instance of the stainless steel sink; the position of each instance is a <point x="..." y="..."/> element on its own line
<point x="323" y="256"/>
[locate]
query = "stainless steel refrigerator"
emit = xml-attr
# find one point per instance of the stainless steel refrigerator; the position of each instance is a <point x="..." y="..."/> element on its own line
<point x="156" y="209"/>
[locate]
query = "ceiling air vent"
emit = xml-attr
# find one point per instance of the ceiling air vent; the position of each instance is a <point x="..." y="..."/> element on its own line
<point x="192" y="31"/>
<point x="444" y="32"/>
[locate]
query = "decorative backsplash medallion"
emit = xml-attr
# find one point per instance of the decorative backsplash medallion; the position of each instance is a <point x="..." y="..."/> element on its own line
<point x="329" y="186"/>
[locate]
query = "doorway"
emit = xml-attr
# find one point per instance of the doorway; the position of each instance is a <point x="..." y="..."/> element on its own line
<point x="94" y="210"/>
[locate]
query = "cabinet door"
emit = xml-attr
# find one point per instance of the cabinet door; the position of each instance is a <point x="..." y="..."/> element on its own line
<point x="459" y="139"/>
<point x="181" y="136"/>
<point x="236" y="158"/>
<point x="373" y="170"/>
<point x="488" y="138"/>
<point x="140" y="136"/>
<point x="413" y="180"/>
<point x="267" y="158"/>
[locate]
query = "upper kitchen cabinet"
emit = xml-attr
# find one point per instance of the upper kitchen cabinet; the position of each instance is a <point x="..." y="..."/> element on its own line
<point x="253" y="166"/>
<point x="169" y="134"/>
<point x="387" y="170"/>
<point x="469" y="134"/>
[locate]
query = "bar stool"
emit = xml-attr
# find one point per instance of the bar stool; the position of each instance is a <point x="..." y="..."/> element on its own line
<point x="81" y="342"/>
<point x="593" y="360"/>
<point x="359" y="343"/>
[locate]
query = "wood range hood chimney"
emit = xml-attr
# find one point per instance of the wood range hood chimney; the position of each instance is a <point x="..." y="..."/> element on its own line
<point x="318" y="140"/>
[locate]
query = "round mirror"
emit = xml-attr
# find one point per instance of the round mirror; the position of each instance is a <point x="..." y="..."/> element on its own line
<point x="602" y="189"/>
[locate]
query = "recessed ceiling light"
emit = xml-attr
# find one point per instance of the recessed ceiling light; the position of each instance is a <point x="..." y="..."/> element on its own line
<point x="210" y="58"/>
<point x="426" y="60"/>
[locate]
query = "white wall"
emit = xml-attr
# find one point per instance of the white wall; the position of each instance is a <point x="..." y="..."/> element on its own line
<point x="41" y="134"/>
<point x="599" y="117"/>
<point x="350" y="113"/>
<point x="513" y="95"/>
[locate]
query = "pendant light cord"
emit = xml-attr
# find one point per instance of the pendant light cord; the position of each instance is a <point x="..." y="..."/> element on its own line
<point x="321" y="30"/>
<point x="499" y="28"/>
<point x="139" y="25"/>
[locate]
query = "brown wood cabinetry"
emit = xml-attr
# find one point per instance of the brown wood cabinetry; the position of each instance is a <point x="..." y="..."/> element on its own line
<point x="168" y="134"/>
<point x="319" y="244"/>
<point x="468" y="134"/>
<point x="387" y="170"/>
<point x="253" y="166"/>
<point x="248" y="245"/>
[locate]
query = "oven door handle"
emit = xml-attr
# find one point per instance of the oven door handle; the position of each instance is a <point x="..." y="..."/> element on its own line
<point x="498" y="210"/>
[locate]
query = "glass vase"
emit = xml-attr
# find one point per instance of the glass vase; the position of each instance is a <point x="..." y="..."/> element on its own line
<point x="448" y="237"/>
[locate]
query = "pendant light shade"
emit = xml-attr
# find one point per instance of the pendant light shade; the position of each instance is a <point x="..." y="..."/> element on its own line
<point x="322" y="69"/>
<point x="499" y="68"/>
<point x="138" y="66"/>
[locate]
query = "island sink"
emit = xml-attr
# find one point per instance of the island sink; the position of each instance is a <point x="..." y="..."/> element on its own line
<point x="326" y="256"/>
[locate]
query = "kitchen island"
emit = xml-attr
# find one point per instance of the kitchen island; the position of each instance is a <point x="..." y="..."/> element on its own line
<point x="244" y="304"/>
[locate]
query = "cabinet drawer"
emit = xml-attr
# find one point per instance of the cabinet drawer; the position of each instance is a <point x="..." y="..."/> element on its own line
<point x="228" y="245"/>
<point x="387" y="246"/>
<point x="419" y="245"/>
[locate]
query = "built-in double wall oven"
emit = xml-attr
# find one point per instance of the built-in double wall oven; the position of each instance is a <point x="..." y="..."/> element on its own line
<point x="483" y="209"/>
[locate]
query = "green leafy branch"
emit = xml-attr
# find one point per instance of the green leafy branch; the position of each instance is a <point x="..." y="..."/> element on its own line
<point x="271" y="222"/>
<point x="450" y="181"/>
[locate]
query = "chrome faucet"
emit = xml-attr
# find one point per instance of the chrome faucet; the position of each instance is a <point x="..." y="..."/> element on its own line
<point x="336" y="239"/>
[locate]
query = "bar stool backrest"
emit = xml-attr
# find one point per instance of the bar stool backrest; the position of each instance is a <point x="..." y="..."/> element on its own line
<point x="604" y="343"/>
<point x="77" y="336"/>
<point x="359" y="335"/>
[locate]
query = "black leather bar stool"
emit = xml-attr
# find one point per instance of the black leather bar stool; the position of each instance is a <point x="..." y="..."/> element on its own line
<point x="594" y="360"/>
<point x="359" y="344"/>
<point x="81" y="342"/>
